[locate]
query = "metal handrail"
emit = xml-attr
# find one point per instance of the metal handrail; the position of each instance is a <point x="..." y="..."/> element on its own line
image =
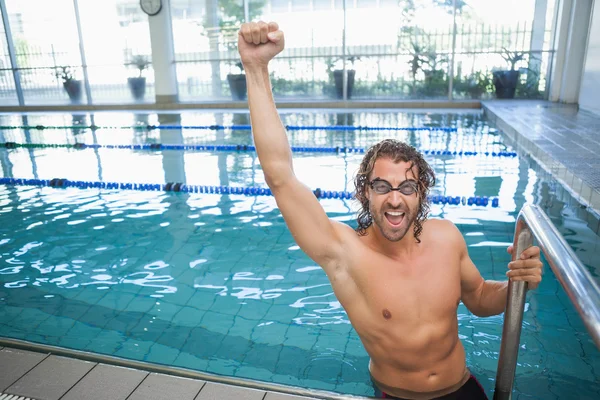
<point x="579" y="284"/>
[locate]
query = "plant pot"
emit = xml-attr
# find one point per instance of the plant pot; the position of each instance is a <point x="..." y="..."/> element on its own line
<point x="137" y="87"/>
<point x="338" y="76"/>
<point x="505" y="83"/>
<point x="237" y="85"/>
<point x="73" y="89"/>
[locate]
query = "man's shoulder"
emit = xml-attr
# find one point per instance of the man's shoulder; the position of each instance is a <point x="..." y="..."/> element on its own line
<point x="440" y="228"/>
<point x="439" y="223"/>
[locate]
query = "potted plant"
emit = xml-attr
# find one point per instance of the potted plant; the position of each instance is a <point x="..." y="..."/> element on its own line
<point x="72" y="86"/>
<point x="137" y="84"/>
<point x="424" y="59"/>
<point x="505" y="81"/>
<point x="237" y="83"/>
<point x="337" y="75"/>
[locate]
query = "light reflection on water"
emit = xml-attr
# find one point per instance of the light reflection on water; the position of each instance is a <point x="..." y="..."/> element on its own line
<point x="217" y="283"/>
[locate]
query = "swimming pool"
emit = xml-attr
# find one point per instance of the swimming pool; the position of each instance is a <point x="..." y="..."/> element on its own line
<point x="216" y="283"/>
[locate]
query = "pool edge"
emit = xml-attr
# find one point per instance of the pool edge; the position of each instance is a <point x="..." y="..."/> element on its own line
<point x="552" y="166"/>
<point x="173" y="371"/>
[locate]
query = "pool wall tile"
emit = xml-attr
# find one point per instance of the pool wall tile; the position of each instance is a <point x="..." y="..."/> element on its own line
<point x="162" y="354"/>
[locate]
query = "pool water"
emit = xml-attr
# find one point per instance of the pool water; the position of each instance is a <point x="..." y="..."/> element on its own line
<point x="216" y="283"/>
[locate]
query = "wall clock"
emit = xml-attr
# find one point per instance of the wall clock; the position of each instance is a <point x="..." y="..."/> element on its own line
<point x="151" y="7"/>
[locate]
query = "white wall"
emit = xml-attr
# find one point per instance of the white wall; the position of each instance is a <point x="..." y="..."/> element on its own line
<point x="589" y="96"/>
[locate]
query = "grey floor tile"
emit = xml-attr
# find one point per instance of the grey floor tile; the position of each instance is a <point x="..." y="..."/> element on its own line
<point x="561" y="131"/>
<point x="15" y="363"/>
<point x="51" y="378"/>
<point x="217" y="391"/>
<point x="159" y="387"/>
<point x="281" y="396"/>
<point x="106" y="382"/>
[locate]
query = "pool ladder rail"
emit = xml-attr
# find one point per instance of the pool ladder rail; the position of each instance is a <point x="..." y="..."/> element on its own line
<point x="573" y="276"/>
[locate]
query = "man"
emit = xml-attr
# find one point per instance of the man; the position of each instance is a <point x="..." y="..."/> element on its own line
<point x="399" y="276"/>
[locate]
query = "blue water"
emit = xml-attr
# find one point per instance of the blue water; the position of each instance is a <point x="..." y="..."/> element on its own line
<point x="216" y="283"/>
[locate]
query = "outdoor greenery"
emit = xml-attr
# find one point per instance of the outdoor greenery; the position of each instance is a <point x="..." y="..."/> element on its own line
<point x="231" y="16"/>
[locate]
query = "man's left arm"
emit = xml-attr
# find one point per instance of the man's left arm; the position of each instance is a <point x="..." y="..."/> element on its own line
<point x="487" y="297"/>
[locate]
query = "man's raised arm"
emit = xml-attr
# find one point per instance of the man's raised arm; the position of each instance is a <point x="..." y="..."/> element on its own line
<point x="318" y="237"/>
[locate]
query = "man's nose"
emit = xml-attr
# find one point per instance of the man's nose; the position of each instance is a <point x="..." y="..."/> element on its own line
<point x="395" y="198"/>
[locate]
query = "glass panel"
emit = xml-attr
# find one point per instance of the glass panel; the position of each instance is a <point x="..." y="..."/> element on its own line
<point x="121" y="71"/>
<point x="48" y="55"/>
<point x="205" y="37"/>
<point x="399" y="52"/>
<point x="503" y="49"/>
<point x="8" y="92"/>
<point x="313" y="40"/>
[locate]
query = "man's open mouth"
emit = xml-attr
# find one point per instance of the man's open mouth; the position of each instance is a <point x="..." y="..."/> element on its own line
<point x="395" y="218"/>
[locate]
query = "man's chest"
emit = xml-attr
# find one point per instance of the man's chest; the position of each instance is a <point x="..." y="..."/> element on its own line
<point x="424" y="290"/>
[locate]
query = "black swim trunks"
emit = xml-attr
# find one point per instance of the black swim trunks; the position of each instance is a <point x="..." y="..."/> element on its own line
<point x="471" y="390"/>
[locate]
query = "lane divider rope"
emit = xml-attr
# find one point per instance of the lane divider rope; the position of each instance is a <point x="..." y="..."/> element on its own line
<point x="239" y="147"/>
<point x="248" y="191"/>
<point x="236" y="127"/>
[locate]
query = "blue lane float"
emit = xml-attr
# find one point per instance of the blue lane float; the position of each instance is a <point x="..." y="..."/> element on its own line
<point x="482" y="201"/>
<point x="239" y="127"/>
<point x="243" y="148"/>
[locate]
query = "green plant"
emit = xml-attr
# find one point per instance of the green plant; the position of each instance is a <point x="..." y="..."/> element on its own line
<point x="285" y="87"/>
<point x="64" y="73"/>
<point x="22" y="52"/>
<point x="334" y="63"/>
<point x="381" y="87"/>
<point x="529" y="87"/>
<point x="140" y="62"/>
<point x="512" y="57"/>
<point x="425" y="59"/>
<point x="474" y="85"/>
<point x="231" y="15"/>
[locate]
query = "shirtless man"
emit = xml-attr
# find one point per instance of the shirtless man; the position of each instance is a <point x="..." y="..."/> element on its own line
<point x="399" y="276"/>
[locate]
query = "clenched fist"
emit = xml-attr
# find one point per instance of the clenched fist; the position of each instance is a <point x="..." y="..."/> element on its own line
<point x="259" y="42"/>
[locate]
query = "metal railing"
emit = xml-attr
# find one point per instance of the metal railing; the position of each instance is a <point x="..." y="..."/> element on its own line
<point x="579" y="284"/>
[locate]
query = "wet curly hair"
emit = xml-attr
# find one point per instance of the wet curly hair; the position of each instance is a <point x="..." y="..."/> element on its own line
<point x="396" y="151"/>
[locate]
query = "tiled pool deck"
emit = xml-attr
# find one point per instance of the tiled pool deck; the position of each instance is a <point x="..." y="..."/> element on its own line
<point x="561" y="139"/>
<point x="44" y="376"/>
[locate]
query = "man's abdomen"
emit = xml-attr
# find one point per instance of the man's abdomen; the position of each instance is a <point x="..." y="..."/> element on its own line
<point x="398" y="378"/>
